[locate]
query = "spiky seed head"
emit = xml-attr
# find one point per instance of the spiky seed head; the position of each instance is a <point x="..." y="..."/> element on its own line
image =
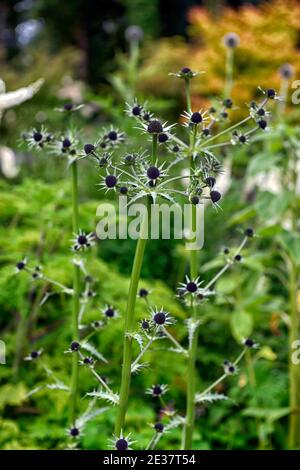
<point x="215" y="196"/>
<point x="155" y="127"/>
<point x="89" y="148"/>
<point x="111" y="181"/>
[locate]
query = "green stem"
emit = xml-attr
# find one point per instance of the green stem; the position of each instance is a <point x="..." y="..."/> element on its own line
<point x="294" y="370"/>
<point x="76" y="298"/>
<point x="130" y="324"/>
<point x="229" y="73"/>
<point x="154" y="150"/>
<point x="188" y="95"/>
<point x="192" y="352"/>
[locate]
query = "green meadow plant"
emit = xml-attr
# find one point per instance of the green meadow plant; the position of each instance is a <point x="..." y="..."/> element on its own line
<point x="175" y="169"/>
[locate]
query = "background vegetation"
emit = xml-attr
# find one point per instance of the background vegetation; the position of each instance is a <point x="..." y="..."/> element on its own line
<point x="85" y="61"/>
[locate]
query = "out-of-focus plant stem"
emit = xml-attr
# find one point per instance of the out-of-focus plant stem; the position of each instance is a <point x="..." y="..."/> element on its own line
<point x="129" y="315"/>
<point x="76" y="297"/>
<point x="192" y="352"/>
<point x="229" y="72"/>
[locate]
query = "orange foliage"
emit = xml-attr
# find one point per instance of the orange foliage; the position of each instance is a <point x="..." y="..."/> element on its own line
<point x="268" y="38"/>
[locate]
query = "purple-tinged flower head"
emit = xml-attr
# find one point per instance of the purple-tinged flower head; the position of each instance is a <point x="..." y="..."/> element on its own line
<point x="157" y="390"/>
<point x="160" y="317"/>
<point x="155" y="127"/>
<point x="74" y="346"/>
<point x="134" y="34"/>
<point x="121" y="442"/>
<point x="21" y="265"/>
<point x="83" y="241"/>
<point x="250" y="343"/>
<point x="143" y="293"/>
<point x="159" y="427"/>
<point x="110" y="312"/>
<point x="74" y="432"/>
<point x="185" y="73"/>
<point x="89" y="148"/>
<point x="231" y="40"/>
<point x="286" y="71"/>
<point x="228" y="103"/>
<point x="249" y="232"/>
<point x="215" y="196"/>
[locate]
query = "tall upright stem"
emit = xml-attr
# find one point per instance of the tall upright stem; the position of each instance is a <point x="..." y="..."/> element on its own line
<point x="229" y="73"/>
<point x="192" y="352"/>
<point x="294" y="369"/>
<point x="76" y="297"/>
<point x="129" y="326"/>
<point x="129" y="315"/>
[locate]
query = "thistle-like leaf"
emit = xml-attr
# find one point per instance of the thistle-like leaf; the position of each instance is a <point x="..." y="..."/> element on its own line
<point x="210" y="397"/>
<point x="192" y="325"/>
<point x="112" y="398"/>
<point x="137" y="337"/>
<point x="136" y="368"/>
<point x="175" y="423"/>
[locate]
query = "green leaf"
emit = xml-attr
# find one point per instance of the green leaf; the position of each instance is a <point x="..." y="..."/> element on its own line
<point x="272" y="206"/>
<point x="291" y="243"/>
<point x="266" y="413"/>
<point x="262" y="162"/>
<point x="241" y="325"/>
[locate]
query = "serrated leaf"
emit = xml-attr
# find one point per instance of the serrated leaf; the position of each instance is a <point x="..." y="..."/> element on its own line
<point x="210" y="397"/>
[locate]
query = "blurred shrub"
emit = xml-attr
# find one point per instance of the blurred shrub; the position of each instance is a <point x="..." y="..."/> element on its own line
<point x="269" y="37"/>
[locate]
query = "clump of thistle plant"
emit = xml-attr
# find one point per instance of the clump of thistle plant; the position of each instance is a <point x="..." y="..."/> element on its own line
<point x="156" y="173"/>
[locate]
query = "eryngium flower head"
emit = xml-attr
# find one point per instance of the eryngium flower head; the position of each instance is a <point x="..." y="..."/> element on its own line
<point x="286" y="71"/>
<point x="231" y="40"/>
<point x="157" y="390"/>
<point x="82" y="241"/>
<point x="160" y="317"/>
<point x="250" y="343"/>
<point x="189" y="287"/>
<point x="122" y="442"/>
<point x="134" y="33"/>
<point x="110" y="312"/>
<point x="21" y="265"/>
<point x="185" y="73"/>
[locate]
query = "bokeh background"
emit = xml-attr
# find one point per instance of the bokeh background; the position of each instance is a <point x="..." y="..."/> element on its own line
<point x="80" y="49"/>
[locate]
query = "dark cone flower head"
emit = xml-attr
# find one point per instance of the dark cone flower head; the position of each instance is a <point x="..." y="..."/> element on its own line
<point x="160" y="318"/>
<point x="143" y="293"/>
<point x="74" y="432"/>
<point x="155" y="127"/>
<point x="262" y="123"/>
<point x="122" y="444"/>
<point x="286" y="71"/>
<point x="34" y="354"/>
<point x="210" y="181"/>
<point x="191" y="287"/>
<point x="163" y="137"/>
<point x="75" y="346"/>
<point x="215" y="196"/>
<point x="196" y="117"/>
<point x="249" y="232"/>
<point x="231" y="40"/>
<point x="159" y="427"/>
<point x="195" y="200"/>
<point x="37" y="136"/>
<point x="157" y="390"/>
<point x="111" y="181"/>
<point x="153" y="173"/>
<point x="89" y="148"/>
